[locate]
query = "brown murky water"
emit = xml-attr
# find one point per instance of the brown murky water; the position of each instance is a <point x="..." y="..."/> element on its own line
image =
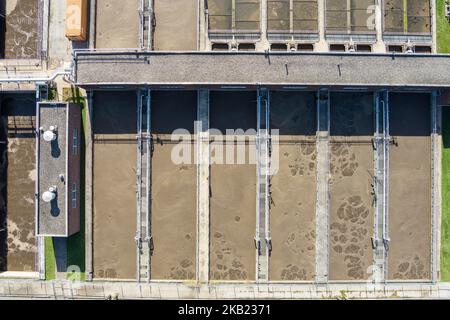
<point x="351" y="199"/>
<point x="350" y="16"/>
<point x="174" y="220"/>
<point x="245" y="17"/>
<point x="410" y="187"/>
<point x="114" y="185"/>
<point x="173" y="216"/>
<point x="417" y="13"/>
<point x="21" y="24"/>
<point x="233" y="222"/>
<point x="176" y="25"/>
<point x="233" y="193"/>
<point x="19" y="252"/>
<point x="293" y="188"/>
<point x="305" y="15"/>
<point x="117" y="24"/>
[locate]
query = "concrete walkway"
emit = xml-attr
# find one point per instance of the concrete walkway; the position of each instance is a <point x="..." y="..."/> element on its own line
<point x="31" y="289"/>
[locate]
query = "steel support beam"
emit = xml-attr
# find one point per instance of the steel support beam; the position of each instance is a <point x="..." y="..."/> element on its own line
<point x="143" y="237"/>
<point x="148" y="202"/>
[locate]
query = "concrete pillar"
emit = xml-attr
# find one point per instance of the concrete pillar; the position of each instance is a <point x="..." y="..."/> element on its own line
<point x="263" y="44"/>
<point x="322" y="45"/>
<point x="92" y="18"/>
<point x="45" y="27"/>
<point x="88" y="204"/>
<point x="202" y="26"/>
<point x="379" y="46"/>
<point x="349" y="15"/>
<point x="323" y="172"/>
<point x="434" y="47"/>
<point x="203" y="187"/>
<point x="436" y="196"/>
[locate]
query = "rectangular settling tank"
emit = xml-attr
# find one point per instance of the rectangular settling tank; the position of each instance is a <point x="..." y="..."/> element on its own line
<point x="351" y="178"/>
<point x="176" y="25"/>
<point x="407" y="16"/>
<point x="18" y="241"/>
<point x="233" y="189"/>
<point x="20" y="29"/>
<point x="174" y="181"/>
<point x="293" y="186"/>
<point x="347" y="16"/>
<point x="234" y="15"/>
<point x="410" y="187"/>
<point x="114" y="186"/>
<point x="117" y="24"/>
<point x="302" y="16"/>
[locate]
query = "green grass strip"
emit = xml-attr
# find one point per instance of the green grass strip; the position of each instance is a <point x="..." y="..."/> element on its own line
<point x="50" y="260"/>
<point x="443" y="28"/>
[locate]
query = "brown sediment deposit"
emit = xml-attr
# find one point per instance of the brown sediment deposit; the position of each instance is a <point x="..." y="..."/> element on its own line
<point x="174" y="218"/>
<point x="351" y="192"/>
<point x="117" y="24"/>
<point x="21" y="29"/>
<point x="19" y="251"/>
<point x="410" y="187"/>
<point x="114" y="185"/>
<point x="293" y="187"/>
<point x="233" y="192"/>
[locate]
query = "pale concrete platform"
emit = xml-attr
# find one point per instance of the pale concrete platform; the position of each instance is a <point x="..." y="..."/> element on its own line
<point x="30" y="289"/>
<point x="19" y="275"/>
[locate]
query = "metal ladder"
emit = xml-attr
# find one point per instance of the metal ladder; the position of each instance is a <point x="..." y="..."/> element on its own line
<point x="262" y="238"/>
<point x="147" y="24"/>
<point x="380" y="241"/>
<point x="144" y="242"/>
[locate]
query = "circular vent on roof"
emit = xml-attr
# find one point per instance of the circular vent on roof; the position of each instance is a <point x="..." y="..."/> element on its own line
<point x="49" y="136"/>
<point x="49" y="195"/>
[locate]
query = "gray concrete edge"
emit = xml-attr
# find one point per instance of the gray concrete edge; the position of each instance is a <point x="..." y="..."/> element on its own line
<point x="59" y="289"/>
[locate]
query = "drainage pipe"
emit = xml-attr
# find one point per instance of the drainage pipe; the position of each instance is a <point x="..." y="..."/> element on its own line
<point x="47" y="78"/>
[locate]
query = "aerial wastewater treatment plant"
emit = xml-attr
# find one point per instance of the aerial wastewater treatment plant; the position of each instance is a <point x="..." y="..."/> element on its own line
<point x="224" y="149"/>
